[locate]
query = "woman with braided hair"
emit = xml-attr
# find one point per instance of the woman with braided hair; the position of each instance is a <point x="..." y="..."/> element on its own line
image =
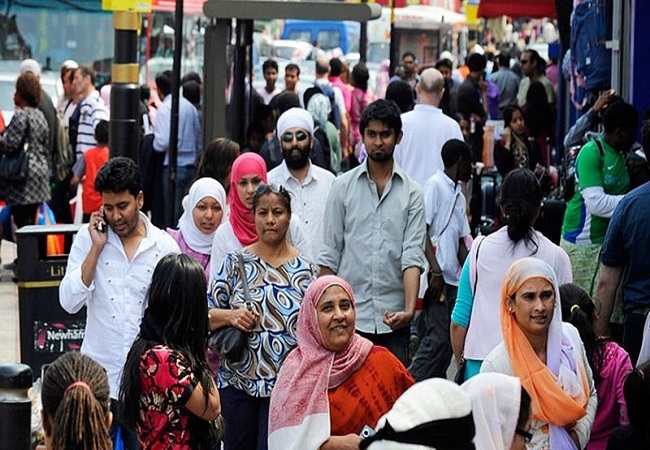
<point x="75" y="397"/>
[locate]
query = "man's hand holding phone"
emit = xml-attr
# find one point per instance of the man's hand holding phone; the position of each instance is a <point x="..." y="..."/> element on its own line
<point x="98" y="228"/>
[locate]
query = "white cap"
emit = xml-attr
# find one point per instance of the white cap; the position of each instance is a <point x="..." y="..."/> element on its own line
<point x="30" y="65"/>
<point x="69" y="64"/>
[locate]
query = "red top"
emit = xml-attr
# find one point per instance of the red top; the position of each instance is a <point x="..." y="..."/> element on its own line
<point x="95" y="158"/>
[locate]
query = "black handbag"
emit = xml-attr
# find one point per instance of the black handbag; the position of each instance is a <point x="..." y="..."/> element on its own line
<point x="14" y="166"/>
<point x="230" y="342"/>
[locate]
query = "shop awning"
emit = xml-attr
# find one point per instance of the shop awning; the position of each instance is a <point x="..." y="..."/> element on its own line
<point x="518" y="8"/>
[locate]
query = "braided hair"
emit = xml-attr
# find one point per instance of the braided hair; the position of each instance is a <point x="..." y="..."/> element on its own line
<point x="76" y="404"/>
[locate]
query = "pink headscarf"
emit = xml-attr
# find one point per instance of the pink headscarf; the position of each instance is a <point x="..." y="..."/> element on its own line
<point x="299" y="411"/>
<point x="241" y="218"/>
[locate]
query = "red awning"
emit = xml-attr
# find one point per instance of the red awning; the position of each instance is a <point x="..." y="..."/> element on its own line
<point x="189" y="6"/>
<point x="517" y="8"/>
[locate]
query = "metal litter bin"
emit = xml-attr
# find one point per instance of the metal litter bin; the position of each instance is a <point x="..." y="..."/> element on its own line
<point x="15" y="407"/>
<point x="46" y="329"/>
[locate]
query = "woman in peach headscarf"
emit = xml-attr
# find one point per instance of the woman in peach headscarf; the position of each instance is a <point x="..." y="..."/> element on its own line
<point x="547" y="355"/>
<point x="335" y="382"/>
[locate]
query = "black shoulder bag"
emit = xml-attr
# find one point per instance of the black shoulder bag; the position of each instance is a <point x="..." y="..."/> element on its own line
<point x="228" y="341"/>
<point x="14" y="166"/>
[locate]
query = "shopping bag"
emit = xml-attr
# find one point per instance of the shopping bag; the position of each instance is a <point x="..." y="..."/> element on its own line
<point x="55" y="242"/>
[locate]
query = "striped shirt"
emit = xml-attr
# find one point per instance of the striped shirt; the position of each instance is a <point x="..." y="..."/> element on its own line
<point x="92" y="111"/>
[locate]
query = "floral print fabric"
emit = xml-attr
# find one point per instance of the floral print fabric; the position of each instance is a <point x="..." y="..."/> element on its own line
<point x="167" y="382"/>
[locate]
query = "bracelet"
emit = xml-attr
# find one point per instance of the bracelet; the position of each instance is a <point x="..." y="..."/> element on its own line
<point x="435" y="274"/>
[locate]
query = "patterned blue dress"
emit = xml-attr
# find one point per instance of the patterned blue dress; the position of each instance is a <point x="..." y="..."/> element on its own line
<point x="276" y="293"/>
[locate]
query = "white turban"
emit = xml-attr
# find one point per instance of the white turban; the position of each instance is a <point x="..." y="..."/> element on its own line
<point x="295" y="117"/>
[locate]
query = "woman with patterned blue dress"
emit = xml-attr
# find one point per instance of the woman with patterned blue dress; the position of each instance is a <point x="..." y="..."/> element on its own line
<point x="277" y="277"/>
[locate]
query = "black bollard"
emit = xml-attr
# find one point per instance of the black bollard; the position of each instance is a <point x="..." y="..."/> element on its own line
<point x="15" y="407"/>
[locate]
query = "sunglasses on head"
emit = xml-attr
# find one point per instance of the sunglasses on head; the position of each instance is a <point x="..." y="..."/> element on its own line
<point x="272" y="187"/>
<point x="299" y="135"/>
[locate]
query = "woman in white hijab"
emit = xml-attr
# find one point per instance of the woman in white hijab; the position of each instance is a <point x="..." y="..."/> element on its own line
<point x="204" y="210"/>
<point x="432" y="414"/>
<point x="501" y="410"/>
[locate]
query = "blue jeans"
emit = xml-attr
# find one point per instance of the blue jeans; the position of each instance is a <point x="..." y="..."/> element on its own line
<point x="129" y="436"/>
<point x="434" y="353"/>
<point x="633" y="326"/>
<point x="184" y="177"/>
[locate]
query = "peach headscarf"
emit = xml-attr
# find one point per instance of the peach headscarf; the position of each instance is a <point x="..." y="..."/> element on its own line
<point x="559" y="389"/>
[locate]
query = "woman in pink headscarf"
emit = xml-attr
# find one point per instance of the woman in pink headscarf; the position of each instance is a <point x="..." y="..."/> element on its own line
<point x="248" y="172"/>
<point x="335" y="383"/>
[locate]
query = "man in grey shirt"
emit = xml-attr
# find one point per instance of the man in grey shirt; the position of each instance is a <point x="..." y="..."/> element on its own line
<point x="374" y="233"/>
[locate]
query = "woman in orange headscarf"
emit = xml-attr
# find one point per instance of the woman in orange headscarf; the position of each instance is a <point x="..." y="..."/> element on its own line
<point x="547" y="355"/>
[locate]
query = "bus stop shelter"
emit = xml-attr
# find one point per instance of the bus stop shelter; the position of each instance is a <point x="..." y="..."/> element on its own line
<point x="225" y="15"/>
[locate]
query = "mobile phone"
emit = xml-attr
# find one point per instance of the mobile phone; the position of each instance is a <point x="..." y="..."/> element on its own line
<point x="366" y="432"/>
<point x="102" y="224"/>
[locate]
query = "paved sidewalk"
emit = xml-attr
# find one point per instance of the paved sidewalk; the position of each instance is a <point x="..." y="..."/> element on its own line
<point x="9" y="337"/>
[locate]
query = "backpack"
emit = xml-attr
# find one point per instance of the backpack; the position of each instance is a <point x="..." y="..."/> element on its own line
<point x="335" y="114"/>
<point x="569" y="178"/>
<point x="321" y="137"/>
<point x="62" y="154"/>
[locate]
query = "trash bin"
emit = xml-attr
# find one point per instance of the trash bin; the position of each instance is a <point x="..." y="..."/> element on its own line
<point x="15" y="407"/>
<point x="46" y="329"/>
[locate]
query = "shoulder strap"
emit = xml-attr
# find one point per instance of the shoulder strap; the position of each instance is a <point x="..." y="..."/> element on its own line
<point x="601" y="150"/>
<point x="478" y="247"/>
<point x="242" y="270"/>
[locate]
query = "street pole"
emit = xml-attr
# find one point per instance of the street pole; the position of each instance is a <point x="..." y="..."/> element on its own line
<point x="363" y="40"/>
<point x="173" y="129"/>
<point x="393" y="40"/>
<point x="124" y="133"/>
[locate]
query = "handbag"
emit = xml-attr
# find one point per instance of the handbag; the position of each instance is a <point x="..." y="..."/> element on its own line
<point x="230" y="342"/>
<point x="462" y="366"/>
<point x="14" y="166"/>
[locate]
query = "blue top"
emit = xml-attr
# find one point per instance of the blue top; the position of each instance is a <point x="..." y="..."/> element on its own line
<point x="627" y="243"/>
<point x="189" y="132"/>
<point x="464" y="299"/>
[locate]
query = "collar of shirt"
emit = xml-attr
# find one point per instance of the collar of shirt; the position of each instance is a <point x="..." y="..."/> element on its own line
<point x="423" y="107"/>
<point x="286" y="175"/>
<point x="149" y="240"/>
<point x="363" y="169"/>
<point x="449" y="182"/>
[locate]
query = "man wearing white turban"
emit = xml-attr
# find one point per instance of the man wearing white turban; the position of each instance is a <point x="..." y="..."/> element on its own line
<point x="308" y="184"/>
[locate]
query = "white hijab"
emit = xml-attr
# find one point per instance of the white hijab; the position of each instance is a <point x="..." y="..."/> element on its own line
<point x="496" y="400"/>
<point x="194" y="237"/>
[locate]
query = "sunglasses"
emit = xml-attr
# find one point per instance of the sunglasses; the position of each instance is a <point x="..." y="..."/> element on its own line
<point x="299" y="135"/>
<point x="523" y="61"/>
<point x="271" y="187"/>
<point x="524" y="434"/>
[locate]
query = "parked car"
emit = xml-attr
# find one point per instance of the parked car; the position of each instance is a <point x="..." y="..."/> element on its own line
<point x="49" y="81"/>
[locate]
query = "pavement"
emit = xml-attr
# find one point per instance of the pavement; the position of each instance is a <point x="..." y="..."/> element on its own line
<point x="9" y="331"/>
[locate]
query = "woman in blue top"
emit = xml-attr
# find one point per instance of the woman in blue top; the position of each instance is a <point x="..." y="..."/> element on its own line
<point x="475" y="322"/>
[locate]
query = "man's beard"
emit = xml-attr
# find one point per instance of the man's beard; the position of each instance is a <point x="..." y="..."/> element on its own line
<point x="296" y="163"/>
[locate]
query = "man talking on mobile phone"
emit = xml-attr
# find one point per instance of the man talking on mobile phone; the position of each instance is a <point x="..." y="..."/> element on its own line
<point x="109" y="271"/>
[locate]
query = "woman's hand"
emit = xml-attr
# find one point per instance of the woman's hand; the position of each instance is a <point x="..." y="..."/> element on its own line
<point x="347" y="442"/>
<point x="243" y="319"/>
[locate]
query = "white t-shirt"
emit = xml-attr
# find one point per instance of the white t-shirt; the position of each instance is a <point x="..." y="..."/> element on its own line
<point x="426" y="129"/>
<point x="444" y="204"/>
<point x="268" y="96"/>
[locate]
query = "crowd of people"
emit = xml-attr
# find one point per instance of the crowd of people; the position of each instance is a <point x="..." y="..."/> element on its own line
<point x="317" y="288"/>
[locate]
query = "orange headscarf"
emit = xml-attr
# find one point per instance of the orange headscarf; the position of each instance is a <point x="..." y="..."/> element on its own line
<point x="544" y="382"/>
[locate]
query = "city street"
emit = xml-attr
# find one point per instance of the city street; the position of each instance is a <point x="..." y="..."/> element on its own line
<point x="9" y="340"/>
